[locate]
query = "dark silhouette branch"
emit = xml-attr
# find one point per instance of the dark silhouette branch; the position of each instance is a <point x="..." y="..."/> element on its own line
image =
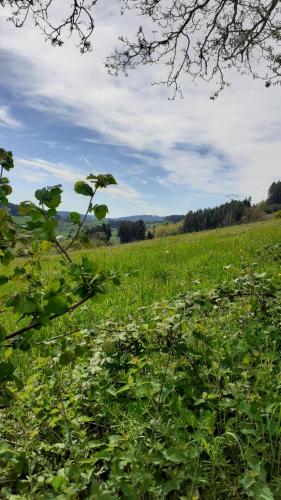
<point x="79" y="19"/>
<point x="204" y="39"/>
<point x="199" y="38"/>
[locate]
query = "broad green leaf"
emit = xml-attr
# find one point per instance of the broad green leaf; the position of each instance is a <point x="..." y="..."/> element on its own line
<point x="50" y="196"/>
<point x="58" y="482"/>
<point x="74" y="217"/>
<point x="52" y="212"/>
<point x="249" y="479"/>
<point x="22" y="303"/>
<point x="4" y="180"/>
<point x="100" y="211"/>
<point x="171" y="485"/>
<point x="5" y="190"/>
<point x="49" y="228"/>
<point x="102" y="455"/>
<point x="57" y="305"/>
<point x="102" y="180"/>
<point x="54" y="287"/>
<point x="6" y="159"/>
<point x="82" y="187"/>
<point x="265" y="493"/>
<point x="174" y="455"/>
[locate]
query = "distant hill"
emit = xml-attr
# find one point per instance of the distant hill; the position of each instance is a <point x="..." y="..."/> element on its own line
<point x="114" y="221"/>
<point x="14" y="209"/>
<point x="134" y="218"/>
<point x="65" y="215"/>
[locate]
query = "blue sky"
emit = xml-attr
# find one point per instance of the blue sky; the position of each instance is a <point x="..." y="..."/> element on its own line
<point x="63" y="117"/>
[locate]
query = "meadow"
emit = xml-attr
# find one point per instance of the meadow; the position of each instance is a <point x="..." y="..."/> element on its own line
<point x="168" y="386"/>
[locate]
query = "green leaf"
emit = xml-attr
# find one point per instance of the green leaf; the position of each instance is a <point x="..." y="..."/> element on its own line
<point x="265" y="493"/>
<point x="49" y="228"/>
<point x="169" y="486"/>
<point x="50" y="196"/>
<point x="57" y="304"/>
<point x="52" y="212"/>
<point x="174" y="455"/>
<point x="249" y="479"/>
<point x="82" y="187"/>
<point x="5" y="190"/>
<point x="22" y="303"/>
<point x="58" y="482"/>
<point x="4" y="180"/>
<point x="102" y="180"/>
<point x="74" y="217"/>
<point x="102" y="455"/>
<point x="6" y="159"/>
<point x="100" y="211"/>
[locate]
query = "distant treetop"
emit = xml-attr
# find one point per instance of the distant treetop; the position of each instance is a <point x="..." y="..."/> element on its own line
<point x="274" y="193"/>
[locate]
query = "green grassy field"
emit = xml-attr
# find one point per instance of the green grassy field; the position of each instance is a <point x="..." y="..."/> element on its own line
<point x="169" y="387"/>
<point x="163" y="268"/>
<point x="169" y="266"/>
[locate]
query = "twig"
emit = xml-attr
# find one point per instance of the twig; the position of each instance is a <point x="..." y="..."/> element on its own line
<point x="81" y="223"/>
<point x="34" y="324"/>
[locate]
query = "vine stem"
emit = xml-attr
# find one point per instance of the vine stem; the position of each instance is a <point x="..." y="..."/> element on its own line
<point x="34" y="324"/>
<point x="82" y="222"/>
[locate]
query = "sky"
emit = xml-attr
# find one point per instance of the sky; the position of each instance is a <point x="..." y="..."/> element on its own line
<point x="64" y="117"/>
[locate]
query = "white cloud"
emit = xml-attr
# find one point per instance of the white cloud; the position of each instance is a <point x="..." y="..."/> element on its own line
<point x="240" y="131"/>
<point x="38" y="167"/>
<point x="39" y="170"/>
<point x="7" y="120"/>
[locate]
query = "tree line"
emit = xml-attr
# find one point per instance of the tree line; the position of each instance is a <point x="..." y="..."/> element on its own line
<point x="211" y="218"/>
<point x="227" y="214"/>
<point x="273" y="202"/>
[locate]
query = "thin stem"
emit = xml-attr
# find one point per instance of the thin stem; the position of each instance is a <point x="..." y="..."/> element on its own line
<point x="34" y="324"/>
<point x="82" y="222"/>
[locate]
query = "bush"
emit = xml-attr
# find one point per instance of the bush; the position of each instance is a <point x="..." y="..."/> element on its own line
<point x="166" y="229"/>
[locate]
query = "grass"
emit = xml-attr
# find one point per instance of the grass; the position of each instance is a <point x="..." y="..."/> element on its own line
<point x="169" y="266"/>
<point x="163" y="268"/>
<point x="173" y="389"/>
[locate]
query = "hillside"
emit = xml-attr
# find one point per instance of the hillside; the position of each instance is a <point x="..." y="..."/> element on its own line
<point x="64" y="215"/>
<point x="167" y="387"/>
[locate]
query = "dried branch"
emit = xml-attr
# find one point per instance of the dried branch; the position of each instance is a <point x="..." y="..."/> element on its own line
<point x="204" y="39"/>
<point x="79" y="19"/>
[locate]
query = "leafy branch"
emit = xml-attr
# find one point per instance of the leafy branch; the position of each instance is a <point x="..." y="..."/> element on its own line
<point x="74" y="283"/>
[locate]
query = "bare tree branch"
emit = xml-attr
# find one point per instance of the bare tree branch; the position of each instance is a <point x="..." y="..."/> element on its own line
<point x="199" y="38"/>
<point x="204" y="39"/>
<point x="79" y="19"/>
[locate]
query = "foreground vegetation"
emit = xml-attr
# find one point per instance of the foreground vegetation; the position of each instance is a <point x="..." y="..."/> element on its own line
<point x="168" y="388"/>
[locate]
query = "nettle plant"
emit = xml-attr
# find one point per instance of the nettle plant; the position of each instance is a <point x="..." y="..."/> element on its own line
<point x="37" y="302"/>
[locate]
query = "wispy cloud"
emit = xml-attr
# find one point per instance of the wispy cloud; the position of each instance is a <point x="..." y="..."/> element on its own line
<point x="7" y="120"/>
<point x="234" y="142"/>
<point x="38" y="167"/>
<point x="39" y="170"/>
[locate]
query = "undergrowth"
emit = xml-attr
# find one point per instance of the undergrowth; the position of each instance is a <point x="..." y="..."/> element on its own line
<point x="181" y="402"/>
